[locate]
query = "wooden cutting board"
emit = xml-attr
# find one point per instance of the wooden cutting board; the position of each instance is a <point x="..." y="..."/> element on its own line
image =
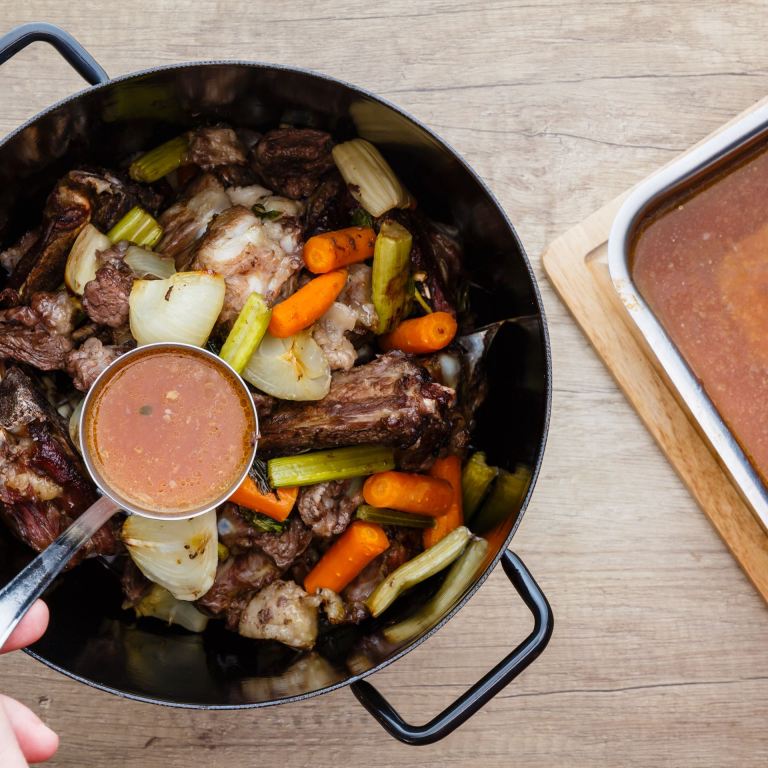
<point x="577" y="265"/>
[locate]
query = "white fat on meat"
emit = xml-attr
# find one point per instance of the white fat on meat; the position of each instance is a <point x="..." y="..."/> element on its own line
<point x="185" y="222"/>
<point x="251" y="253"/>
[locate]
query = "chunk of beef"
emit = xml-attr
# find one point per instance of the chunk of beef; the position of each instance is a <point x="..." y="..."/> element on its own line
<point x="41" y="349"/>
<point x="283" y="547"/>
<point x="215" y="146"/>
<point x="253" y="254"/>
<point x="43" y="483"/>
<point x="330" y="206"/>
<point x="134" y="583"/>
<point x="283" y="611"/>
<point x="56" y="311"/>
<point x="330" y="332"/>
<point x="79" y="198"/>
<point x="237" y="580"/>
<point x="292" y="160"/>
<point x="89" y="360"/>
<point x="105" y="298"/>
<point x="185" y="222"/>
<point x="12" y="255"/>
<point x="390" y="401"/>
<point x="328" y="507"/>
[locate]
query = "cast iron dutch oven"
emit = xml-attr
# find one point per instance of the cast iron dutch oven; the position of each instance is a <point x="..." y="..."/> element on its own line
<point x="90" y="638"/>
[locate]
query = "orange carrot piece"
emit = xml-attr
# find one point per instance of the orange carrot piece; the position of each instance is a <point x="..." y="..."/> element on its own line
<point x="448" y="469"/>
<point x="409" y="492"/>
<point x="331" y="250"/>
<point x="350" y="553"/>
<point x="310" y="302"/>
<point x="420" y="335"/>
<point x="277" y="507"/>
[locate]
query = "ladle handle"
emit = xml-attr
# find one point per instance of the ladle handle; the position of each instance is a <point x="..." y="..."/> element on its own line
<point x="17" y="596"/>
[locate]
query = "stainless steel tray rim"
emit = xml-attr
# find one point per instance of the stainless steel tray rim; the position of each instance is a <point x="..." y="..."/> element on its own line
<point x="634" y="207"/>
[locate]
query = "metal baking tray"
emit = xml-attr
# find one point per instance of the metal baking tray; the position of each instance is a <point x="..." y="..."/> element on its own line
<point x="712" y="155"/>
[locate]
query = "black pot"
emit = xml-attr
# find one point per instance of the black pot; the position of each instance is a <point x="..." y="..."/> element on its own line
<point x="90" y="638"/>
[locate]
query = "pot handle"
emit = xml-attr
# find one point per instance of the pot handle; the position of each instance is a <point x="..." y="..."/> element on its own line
<point x="486" y="688"/>
<point x="82" y="61"/>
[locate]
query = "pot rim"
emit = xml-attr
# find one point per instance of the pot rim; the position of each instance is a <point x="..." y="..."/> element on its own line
<point x="547" y="372"/>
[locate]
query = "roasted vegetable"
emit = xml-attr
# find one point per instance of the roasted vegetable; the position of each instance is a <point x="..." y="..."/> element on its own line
<point x="476" y="479"/>
<point x="144" y="263"/>
<point x="332" y="250"/>
<point x="390" y="277"/>
<point x="138" y="227"/>
<point x="393" y="517"/>
<point x="457" y="580"/>
<point x="276" y="504"/>
<point x="348" y="555"/>
<point x="160" y="161"/>
<point x="448" y="469"/>
<point x="338" y="464"/>
<point x="161" y="604"/>
<point x="409" y="492"/>
<point x="183" y="308"/>
<point x="247" y="332"/>
<point x="82" y="263"/>
<point x="421" y="335"/>
<point x="306" y="305"/>
<point x="294" y="368"/>
<point x="180" y="555"/>
<point x="370" y="179"/>
<point x="420" y="568"/>
<point x="504" y="499"/>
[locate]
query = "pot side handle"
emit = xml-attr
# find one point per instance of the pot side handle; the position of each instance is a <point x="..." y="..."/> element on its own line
<point x="486" y="688"/>
<point x="82" y="61"/>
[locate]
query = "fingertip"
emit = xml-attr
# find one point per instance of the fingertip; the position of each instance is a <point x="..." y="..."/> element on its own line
<point x="30" y="628"/>
<point x="36" y="740"/>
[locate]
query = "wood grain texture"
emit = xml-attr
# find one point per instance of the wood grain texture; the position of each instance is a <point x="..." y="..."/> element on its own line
<point x="658" y="656"/>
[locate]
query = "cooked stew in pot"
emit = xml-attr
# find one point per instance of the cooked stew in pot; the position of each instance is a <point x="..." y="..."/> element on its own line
<point x="304" y="262"/>
<point x="171" y="431"/>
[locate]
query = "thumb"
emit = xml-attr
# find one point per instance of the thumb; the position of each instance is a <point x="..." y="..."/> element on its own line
<point x="33" y="737"/>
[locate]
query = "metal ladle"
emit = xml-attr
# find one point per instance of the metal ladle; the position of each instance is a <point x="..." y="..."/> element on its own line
<point x="20" y="593"/>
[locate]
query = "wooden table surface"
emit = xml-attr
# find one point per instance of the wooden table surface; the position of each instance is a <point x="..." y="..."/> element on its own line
<point x="659" y="651"/>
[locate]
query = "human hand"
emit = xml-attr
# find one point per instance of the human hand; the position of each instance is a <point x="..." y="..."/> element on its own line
<point x="24" y="737"/>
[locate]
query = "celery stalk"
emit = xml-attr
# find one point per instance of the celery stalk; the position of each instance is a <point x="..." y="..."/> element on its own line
<point x="461" y="575"/>
<point x="420" y="568"/>
<point x="383" y="516"/>
<point x="160" y="161"/>
<point x="338" y="464"/>
<point x="390" y="276"/>
<point x="247" y="332"/>
<point x="476" y="478"/>
<point x="138" y="227"/>
<point x="503" y="501"/>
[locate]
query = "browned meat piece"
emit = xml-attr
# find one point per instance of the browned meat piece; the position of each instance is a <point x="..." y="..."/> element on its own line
<point x="134" y="583"/>
<point x="43" y="484"/>
<point x="89" y="360"/>
<point x="12" y="255"/>
<point x="292" y="160"/>
<point x="286" y="546"/>
<point x="252" y="253"/>
<point x="80" y="197"/>
<point x="283" y="611"/>
<point x="405" y="543"/>
<point x="46" y="311"/>
<point x="330" y="206"/>
<point x="390" y="401"/>
<point x="213" y="147"/>
<point x="185" y="222"/>
<point x="327" y="508"/>
<point x="105" y="298"/>
<point x="237" y="580"/>
<point x="44" y="350"/>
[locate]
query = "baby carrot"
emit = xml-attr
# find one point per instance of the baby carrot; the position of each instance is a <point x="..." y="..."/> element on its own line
<point x="350" y="553"/>
<point x="421" y="335"/>
<point x="309" y="303"/>
<point x="331" y="250"/>
<point x="278" y="507"/>
<point x="448" y="469"/>
<point x="409" y="493"/>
